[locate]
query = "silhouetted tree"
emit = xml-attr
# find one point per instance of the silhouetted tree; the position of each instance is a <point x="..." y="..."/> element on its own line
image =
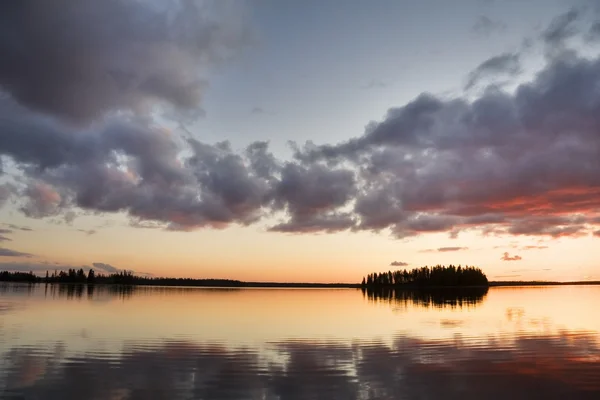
<point x="425" y="276"/>
<point x="91" y="278"/>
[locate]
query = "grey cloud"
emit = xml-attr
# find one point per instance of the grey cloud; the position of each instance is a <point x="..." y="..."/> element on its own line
<point x="561" y="28"/>
<point x="485" y="26"/>
<point x="87" y="231"/>
<point x="311" y="195"/>
<point x="507" y="64"/>
<point x="13" y="253"/>
<point x="4" y="239"/>
<point x="257" y="110"/>
<point x="107" y="268"/>
<point x="42" y="200"/>
<point x="83" y="59"/>
<point x="398" y="264"/>
<point x="508" y="257"/>
<point x="323" y="222"/>
<point x="18" y="228"/>
<point x="447" y="249"/>
<point x="376" y="84"/>
<point x="446" y="165"/>
<point x="7" y="190"/>
<point x="594" y="31"/>
<point x="501" y="163"/>
<point x="69" y="217"/>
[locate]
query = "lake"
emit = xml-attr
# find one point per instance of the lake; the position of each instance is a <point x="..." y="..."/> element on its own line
<point x="109" y="342"/>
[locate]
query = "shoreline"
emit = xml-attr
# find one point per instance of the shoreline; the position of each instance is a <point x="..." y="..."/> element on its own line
<point x="304" y="285"/>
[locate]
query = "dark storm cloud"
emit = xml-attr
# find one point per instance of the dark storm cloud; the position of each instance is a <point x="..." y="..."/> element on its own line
<point x="398" y="264"/>
<point x="13" y="253"/>
<point x="508" y="257"/>
<point x="507" y="64"/>
<point x="83" y="59"/>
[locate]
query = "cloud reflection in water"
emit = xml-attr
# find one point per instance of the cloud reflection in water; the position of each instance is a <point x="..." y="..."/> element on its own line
<point x="558" y="366"/>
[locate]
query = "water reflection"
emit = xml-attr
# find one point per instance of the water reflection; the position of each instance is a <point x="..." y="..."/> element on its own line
<point x="76" y="342"/>
<point x="426" y="298"/>
<point x="565" y="365"/>
<point x="96" y="292"/>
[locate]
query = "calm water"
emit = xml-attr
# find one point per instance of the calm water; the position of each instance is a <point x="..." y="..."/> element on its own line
<point x="168" y="343"/>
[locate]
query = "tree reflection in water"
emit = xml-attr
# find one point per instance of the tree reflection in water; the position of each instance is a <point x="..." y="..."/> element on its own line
<point x="429" y="297"/>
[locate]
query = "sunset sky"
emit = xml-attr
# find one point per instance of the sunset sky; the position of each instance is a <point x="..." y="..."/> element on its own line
<point x="301" y="141"/>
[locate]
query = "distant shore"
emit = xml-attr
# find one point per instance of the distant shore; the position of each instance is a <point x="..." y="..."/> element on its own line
<point x="300" y="285"/>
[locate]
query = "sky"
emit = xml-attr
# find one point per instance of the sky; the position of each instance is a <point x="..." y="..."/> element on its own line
<point x="300" y="141"/>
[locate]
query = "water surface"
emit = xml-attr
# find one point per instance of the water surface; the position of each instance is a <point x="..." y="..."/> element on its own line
<point x="106" y="342"/>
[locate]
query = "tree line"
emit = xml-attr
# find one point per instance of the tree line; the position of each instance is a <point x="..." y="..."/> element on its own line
<point x="118" y="278"/>
<point x="435" y="276"/>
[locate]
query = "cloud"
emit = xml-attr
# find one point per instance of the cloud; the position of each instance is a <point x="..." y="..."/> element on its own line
<point x="69" y="217"/>
<point x="13" y="253"/>
<point x="597" y="233"/>
<point x="18" y="228"/>
<point x="506" y="64"/>
<point x="485" y="26"/>
<point x="533" y="247"/>
<point x="448" y="165"/>
<point x="376" y="84"/>
<point x="507" y="257"/>
<point x="444" y="249"/>
<point x="87" y="231"/>
<point x="7" y="190"/>
<point x="42" y="200"/>
<point x="447" y="249"/>
<point x="311" y="195"/>
<point x="398" y="264"/>
<point x="112" y="55"/>
<point x="257" y="110"/>
<point x="106" y="268"/>
<point x="499" y="162"/>
<point x="561" y="28"/>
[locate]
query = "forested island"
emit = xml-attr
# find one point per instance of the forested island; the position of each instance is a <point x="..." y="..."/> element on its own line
<point x="438" y="276"/>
